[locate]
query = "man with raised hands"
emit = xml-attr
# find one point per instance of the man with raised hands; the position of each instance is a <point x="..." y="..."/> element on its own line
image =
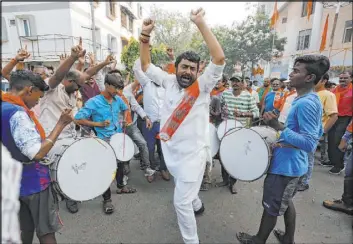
<point x="184" y="119"/>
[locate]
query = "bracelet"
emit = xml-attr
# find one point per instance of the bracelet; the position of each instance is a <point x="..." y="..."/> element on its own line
<point x="145" y="35"/>
<point x="143" y="40"/>
<point x="49" y="140"/>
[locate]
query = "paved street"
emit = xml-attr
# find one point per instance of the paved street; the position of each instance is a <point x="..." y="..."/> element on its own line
<point x="148" y="216"/>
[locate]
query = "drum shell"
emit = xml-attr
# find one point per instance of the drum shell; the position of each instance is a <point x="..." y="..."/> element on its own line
<point x="266" y="134"/>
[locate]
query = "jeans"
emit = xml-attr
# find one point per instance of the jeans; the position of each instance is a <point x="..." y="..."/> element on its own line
<point x="152" y="141"/>
<point x="119" y="181"/>
<point x="334" y="138"/>
<point x="311" y="159"/>
<point x="323" y="148"/>
<point x="134" y="133"/>
<point x="207" y="177"/>
<point x="347" y="196"/>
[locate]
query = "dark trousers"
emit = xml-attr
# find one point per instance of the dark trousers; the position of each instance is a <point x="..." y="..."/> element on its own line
<point x="347" y="196"/>
<point x="152" y="142"/>
<point x="226" y="177"/>
<point x="119" y="181"/>
<point x="334" y="137"/>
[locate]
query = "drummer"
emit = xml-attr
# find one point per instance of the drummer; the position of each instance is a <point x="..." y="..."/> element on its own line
<point x="237" y="104"/>
<point x="289" y="162"/>
<point x="25" y="139"/>
<point x="131" y="129"/>
<point x="104" y="110"/>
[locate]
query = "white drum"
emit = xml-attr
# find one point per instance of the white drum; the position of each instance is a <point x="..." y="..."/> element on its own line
<point x="214" y="140"/>
<point x="82" y="168"/>
<point x="246" y="153"/>
<point x="226" y="126"/>
<point x="123" y="147"/>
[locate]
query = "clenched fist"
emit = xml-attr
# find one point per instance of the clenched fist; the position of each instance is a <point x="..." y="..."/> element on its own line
<point x="147" y="26"/>
<point x="22" y="54"/>
<point x="197" y="16"/>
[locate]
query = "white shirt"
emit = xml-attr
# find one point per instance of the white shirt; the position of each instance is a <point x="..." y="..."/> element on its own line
<point x="182" y="152"/>
<point x="135" y="106"/>
<point x="153" y="94"/>
<point x="11" y="173"/>
<point x="52" y="105"/>
<point x="255" y="87"/>
<point x="286" y="107"/>
<point x="255" y="95"/>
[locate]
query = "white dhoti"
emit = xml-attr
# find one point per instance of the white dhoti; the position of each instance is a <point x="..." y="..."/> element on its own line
<point x="186" y="201"/>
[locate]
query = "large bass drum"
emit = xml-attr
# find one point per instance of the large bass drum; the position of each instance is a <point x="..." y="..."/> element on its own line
<point x="82" y="168"/>
<point x="246" y="152"/>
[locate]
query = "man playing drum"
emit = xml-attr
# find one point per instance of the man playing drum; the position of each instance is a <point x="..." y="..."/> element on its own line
<point x="184" y="121"/>
<point x="239" y="105"/>
<point x="299" y="136"/>
<point x="131" y="129"/>
<point x="25" y="139"/>
<point x="104" y="111"/>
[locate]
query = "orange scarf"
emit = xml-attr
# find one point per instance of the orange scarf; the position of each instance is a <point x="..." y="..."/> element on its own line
<point x="341" y="91"/>
<point x="278" y="100"/>
<point x="180" y="113"/>
<point x="215" y="92"/>
<point x="128" y="116"/>
<point x="284" y="98"/>
<point x="249" y="90"/>
<point x="263" y="91"/>
<point x="170" y="68"/>
<point x="16" y="100"/>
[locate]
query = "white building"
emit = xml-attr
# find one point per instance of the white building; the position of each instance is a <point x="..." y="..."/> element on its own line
<point x="52" y="28"/>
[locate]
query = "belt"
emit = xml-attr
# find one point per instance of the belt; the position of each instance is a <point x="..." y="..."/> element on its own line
<point x="281" y="145"/>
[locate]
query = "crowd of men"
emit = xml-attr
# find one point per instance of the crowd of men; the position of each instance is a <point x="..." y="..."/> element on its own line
<point x="168" y="110"/>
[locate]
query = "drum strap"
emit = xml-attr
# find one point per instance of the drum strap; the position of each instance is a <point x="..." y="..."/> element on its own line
<point x="281" y="145"/>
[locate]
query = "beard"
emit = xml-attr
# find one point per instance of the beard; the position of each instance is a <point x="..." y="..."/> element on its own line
<point x="185" y="81"/>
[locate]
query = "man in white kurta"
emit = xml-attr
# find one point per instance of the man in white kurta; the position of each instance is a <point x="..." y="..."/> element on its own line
<point x="188" y="149"/>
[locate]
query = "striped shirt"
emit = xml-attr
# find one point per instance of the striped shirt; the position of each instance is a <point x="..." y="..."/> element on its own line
<point x="243" y="103"/>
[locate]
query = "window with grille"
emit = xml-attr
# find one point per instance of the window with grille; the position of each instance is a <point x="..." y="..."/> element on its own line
<point x="305" y="9"/>
<point x="111" y="9"/>
<point x="303" y="41"/>
<point x="123" y="19"/>
<point x="347" y="36"/>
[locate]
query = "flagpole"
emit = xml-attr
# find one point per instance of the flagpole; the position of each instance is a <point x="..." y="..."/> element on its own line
<point x="334" y="28"/>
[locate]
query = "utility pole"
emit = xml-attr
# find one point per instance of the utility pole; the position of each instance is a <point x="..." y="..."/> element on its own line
<point x="93" y="28"/>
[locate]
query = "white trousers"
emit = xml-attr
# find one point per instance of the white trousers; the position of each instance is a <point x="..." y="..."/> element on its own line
<point x="186" y="201"/>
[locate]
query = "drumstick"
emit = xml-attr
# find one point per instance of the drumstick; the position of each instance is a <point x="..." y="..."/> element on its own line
<point x="91" y="136"/>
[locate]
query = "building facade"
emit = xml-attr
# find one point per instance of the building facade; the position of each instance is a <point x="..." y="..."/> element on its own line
<point x="304" y="35"/>
<point x="50" y="29"/>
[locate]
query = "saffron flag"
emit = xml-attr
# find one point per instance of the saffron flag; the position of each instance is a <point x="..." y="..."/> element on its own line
<point x="275" y="16"/>
<point x="309" y="8"/>
<point x="324" y="35"/>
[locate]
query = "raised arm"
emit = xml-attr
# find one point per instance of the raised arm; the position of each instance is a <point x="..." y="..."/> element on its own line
<point x="94" y="70"/>
<point x="213" y="45"/>
<point x="65" y="66"/>
<point x="22" y="54"/>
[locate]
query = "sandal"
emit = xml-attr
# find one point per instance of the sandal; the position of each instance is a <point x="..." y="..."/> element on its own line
<point x="108" y="207"/>
<point x="245" y="238"/>
<point x="125" y="190"/>
<point x="205" y="187"/>
<point x="232" y="189"/>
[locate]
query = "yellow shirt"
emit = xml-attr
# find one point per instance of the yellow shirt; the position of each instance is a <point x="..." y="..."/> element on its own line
<point x="329" y="105"/>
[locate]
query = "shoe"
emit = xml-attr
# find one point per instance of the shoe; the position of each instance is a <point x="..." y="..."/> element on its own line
<point x="72" y="206"/>
<point x="108" y="207"/>
<point x="326" y="164"/>
<point x="303" y="187"/>
<point x="336" y="171"/>
<point x="165" y="175"/>
<point x="200" y="211"/>
<point x="233" y="189"/>
<point x="338" y="205"/>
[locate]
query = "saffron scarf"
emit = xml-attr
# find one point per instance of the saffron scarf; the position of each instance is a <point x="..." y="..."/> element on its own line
<point x="128" y="116"/>
<point x="278" y="100"/>
<point x="215" y="92"/>
<point x="341" y="91"/>
<point x="263" y="92"/>
<point x="287" y="94"/>
<point x="170" y="68"/>
<point x="16" y="100"/>
<point x="180" y="112"/>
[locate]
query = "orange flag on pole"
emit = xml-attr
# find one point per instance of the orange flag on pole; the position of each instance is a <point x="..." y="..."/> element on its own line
<point x="309" y="8"/>
<point x="275" y="16"/>
<point x="324" y="35"/>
